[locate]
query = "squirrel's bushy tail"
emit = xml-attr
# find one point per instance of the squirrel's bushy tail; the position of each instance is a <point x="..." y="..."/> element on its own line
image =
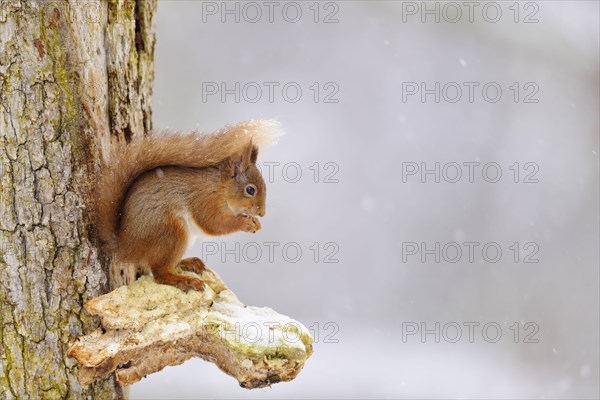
<point x="126" y="162"/>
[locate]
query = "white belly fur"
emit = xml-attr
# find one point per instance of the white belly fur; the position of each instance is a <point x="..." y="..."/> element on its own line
<point x="193" y="230"/>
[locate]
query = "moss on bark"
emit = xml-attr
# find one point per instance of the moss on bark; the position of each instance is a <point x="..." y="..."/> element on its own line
<point x="54" y="114"/>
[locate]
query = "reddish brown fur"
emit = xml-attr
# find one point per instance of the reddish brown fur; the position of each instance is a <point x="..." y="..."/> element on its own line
<point x="150" y="186"/>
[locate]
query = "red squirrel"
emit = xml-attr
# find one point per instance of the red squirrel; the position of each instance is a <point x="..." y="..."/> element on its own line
<point x="157" y="193"/>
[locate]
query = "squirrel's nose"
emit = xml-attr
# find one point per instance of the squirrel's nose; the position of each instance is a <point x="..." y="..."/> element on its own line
<point x="261" y="212"/>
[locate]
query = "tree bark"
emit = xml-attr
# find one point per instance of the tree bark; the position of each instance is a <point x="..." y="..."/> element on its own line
<point x="71" y="76"/>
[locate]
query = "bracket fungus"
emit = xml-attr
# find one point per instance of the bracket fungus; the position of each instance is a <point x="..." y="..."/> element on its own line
<point x="148" y="326"/>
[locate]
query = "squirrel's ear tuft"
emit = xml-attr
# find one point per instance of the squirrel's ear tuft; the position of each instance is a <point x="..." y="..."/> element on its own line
<point x="248" y="156"/>
<point x="233" y="166"/>
<point x="254" y="154"/>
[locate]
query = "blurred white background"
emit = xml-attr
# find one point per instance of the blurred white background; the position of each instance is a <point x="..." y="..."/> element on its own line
<point x="367" y="61"/>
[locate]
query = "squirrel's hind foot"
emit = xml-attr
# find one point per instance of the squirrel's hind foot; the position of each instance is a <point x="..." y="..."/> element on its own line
<point x="193" y="264"/>
<point x="182" y="282"/>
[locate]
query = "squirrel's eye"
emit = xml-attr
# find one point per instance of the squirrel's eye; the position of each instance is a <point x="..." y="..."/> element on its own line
<point x="250" y="190"/>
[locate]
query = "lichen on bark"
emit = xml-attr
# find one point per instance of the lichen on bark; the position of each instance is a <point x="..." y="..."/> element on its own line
<point x="54" y="115"/>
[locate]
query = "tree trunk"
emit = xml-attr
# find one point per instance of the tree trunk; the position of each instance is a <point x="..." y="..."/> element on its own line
<point x="71" y="75"/>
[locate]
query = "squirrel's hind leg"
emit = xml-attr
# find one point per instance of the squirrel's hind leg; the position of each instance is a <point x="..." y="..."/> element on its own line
<point x="166" y="258"/>
<point x="170" y="276"/>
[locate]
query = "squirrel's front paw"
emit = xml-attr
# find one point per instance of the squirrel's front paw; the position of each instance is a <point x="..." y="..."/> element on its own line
<point x="249" y="223"/>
